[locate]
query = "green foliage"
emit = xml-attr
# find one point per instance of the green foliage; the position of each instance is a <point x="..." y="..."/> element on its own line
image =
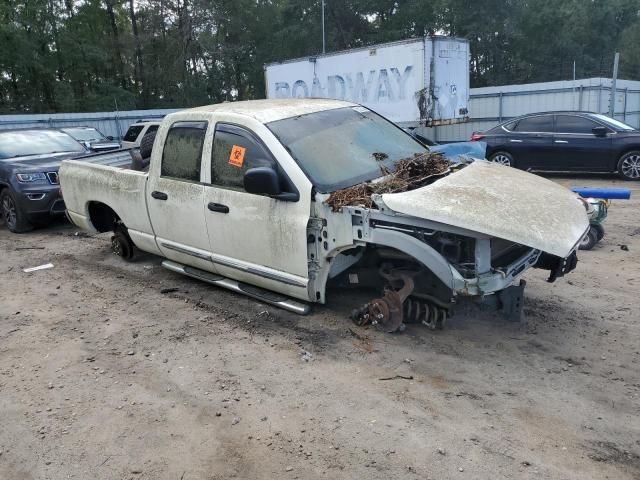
<point x="91" y="55"/>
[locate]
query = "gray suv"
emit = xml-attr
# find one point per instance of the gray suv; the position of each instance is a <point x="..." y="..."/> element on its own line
<point x="29" y="162"/>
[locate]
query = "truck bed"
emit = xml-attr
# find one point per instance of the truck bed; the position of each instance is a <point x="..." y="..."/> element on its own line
<point x="113" y="158"/>
<point x="94" y="182"/>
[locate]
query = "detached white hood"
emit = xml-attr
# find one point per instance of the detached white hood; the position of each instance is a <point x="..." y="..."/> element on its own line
<point x="501" y="202"/>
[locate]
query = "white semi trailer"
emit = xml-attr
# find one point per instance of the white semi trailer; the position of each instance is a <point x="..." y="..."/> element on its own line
<point x="418" y="81"/>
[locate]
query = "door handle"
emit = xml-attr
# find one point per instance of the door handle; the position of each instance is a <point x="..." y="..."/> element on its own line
<point x="159" y="195"/>
<point x="515" y="141"/>
<point x="218" y="207"/>
<point x="560" y="141"/>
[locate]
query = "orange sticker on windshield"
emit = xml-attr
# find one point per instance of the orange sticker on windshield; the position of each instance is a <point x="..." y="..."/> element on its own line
<point x="237" y="156"/>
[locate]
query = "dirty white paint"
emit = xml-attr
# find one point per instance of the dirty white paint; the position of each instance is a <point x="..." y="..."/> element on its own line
<point x="265" y="111"/>
<point x="118" y="188"/>
<point x="388" y="78"/>
<point x="501" y="202"/>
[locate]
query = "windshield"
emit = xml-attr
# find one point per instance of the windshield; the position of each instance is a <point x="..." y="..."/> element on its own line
<point x="342" y="147"/>
<point x="36" y="142"/>
<point x="613" y="123"/>
<point x="85" y="134"/>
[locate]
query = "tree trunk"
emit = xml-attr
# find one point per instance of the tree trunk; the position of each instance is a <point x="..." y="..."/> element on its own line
<point x="116" y="40"/>
<point x="139" y="73"/>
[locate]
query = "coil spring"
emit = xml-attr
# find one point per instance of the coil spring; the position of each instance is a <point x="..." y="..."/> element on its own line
<point x="420" y="311"/>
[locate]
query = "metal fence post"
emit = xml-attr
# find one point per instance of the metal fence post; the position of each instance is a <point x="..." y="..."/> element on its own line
<point x="580" y="94"/>
<point x="624" y="111"/>
<point x="500" y="107"/>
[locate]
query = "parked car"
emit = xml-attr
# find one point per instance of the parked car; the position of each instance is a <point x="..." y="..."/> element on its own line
<point x="29" y="162"/>
<point x="265" y="171"/>
<point x="92" y="138"/>
<point x="137" y="131"/>
<point x="565" y="141"/>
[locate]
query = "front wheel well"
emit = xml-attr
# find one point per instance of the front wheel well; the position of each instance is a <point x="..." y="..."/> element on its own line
<point x="102" y="217"/>
<point x="627" y="149"/>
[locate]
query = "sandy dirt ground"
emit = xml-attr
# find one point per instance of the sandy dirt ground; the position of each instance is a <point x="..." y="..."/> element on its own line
<point x="102" y="376"/>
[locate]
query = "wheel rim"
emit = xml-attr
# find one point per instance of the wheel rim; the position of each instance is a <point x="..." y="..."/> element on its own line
<point x="502" y="160"/>
<point x="585" y="241"/>
<point x="631" y="166"/>
<point x="9" y="211"/>
<point x="116" y="246"/>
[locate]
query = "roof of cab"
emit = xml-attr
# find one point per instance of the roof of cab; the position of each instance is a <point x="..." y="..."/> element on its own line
<point x="266" y="111"/>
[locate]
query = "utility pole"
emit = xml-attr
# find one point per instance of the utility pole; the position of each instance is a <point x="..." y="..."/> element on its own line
<point x="574" y="85"/>
<point x="612" y="97"/>
<point x="323" y="38"/>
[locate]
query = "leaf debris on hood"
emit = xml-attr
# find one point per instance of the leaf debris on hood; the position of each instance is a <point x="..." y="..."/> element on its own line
<point x="409" y="174"/>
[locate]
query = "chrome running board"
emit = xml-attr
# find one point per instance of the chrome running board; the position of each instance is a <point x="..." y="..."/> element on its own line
<point x="258" y="293"/>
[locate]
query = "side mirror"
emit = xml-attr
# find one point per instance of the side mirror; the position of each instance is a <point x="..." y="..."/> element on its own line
<point x="600" y="131"/>
<point x="110" y="138"/>
<point x="262" y="181"/>
<point x="265" y="181"/>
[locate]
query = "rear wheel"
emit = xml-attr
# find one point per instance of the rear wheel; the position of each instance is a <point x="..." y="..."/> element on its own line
<point x="629" y="166"/>
<point x="599" y="230"/>
<point x="589" y="240"/>
<point x="502" y="158"/>
<point x="121" y="243"/>
<point x="13" y="217"/>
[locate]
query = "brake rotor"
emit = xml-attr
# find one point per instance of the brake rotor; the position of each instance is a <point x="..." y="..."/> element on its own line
<point x="387" y="312"/>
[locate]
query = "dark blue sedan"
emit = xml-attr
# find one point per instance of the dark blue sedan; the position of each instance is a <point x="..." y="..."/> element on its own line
<point x="565" y="141"/>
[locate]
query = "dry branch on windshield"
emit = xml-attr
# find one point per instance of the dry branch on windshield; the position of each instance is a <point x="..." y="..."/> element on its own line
<point x="409" y="174"/>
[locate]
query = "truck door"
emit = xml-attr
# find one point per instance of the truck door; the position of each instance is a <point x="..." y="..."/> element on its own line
<point x="175" y="195"/>
<point x="254" y="238"/>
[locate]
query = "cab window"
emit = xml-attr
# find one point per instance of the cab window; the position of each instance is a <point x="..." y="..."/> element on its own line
<point x="235" y="150"/>
<point x="182" y="153"/>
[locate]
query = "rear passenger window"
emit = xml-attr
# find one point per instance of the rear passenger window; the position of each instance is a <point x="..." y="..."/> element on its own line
<point x="235" y="150"/>
<point x="574" y="124"/>
<point x="511" y="126"/>
<point x="182" y="152"/>
<point x="132" y="133"/>
<point x="152" y="128"/>
<point x="540" y="123"/>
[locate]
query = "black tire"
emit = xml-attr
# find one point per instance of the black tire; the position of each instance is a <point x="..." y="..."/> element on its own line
<point x="12" y="215"/>
<point x="146" y="144"/>
<point x="121" y="243"/>
<point x="629" y="165"/>
<point x="590" y="239"/>
<point x="502" y="158"/>
<point x="599" y="230"/>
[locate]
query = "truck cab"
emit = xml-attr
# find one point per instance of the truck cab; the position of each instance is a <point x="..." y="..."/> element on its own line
<point x="236" y="194"/>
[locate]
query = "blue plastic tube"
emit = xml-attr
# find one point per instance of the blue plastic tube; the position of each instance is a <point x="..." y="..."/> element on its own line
<point x="606" y="193"/>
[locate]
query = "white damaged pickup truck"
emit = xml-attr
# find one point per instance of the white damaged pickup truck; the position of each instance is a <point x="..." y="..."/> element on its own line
<point x="243" y="195"/>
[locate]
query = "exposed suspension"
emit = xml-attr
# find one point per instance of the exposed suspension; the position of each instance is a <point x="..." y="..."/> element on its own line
<point x="390" y="312"/>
